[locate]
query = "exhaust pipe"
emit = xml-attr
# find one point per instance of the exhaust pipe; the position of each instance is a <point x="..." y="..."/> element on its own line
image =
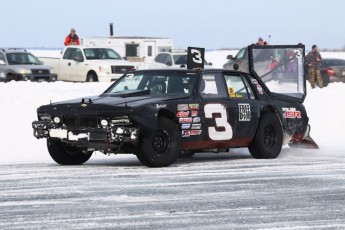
<point x="111" y="25"/>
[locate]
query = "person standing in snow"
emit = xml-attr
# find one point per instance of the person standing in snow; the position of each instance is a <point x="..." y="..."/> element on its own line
<point x="313" y="61"/>
<point x="72" y="38"/>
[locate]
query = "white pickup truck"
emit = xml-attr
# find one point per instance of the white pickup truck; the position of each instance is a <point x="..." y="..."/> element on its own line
<point x="84" y="63"/>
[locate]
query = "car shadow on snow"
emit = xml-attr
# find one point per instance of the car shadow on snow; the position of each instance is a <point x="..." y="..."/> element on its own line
<point x="203" y="157"/>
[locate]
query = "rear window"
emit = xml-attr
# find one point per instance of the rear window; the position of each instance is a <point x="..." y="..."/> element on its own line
<point x="334" y="62"/>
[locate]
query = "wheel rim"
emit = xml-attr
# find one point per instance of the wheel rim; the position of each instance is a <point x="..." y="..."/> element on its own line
<point x="269" y="136"/>
<point x="160" y="141"/>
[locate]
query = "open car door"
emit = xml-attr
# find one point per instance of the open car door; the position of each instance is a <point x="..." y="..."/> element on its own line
<point x="281" y="68"/>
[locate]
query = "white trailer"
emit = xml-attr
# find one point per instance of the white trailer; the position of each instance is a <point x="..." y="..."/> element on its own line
<point x="141" y="50"/>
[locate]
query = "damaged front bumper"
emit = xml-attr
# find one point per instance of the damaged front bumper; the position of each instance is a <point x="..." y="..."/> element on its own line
<point x="115" y="135"/>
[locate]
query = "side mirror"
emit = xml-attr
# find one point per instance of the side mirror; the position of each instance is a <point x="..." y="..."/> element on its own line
<point x="210" y="63"/>
<point x="2" y="62"/>
<point x="168" y="63"/>
<point x="230" y="57"/>
<point x="236" y="66"/>
<point x="78" y="59"/>
<point x="125" y="58"/>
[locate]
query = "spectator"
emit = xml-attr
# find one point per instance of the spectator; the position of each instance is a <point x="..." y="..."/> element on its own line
<point x="313" y="60"/>
<point x="260" y="42"/>
<point x="72" y="38"/>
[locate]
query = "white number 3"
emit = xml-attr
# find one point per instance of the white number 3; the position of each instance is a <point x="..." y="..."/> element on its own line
<point x="196" y="56"/>
<point x="221" y="121"/>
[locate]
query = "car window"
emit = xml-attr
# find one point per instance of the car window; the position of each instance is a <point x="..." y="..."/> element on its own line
<point x="157" y="83"/>
<point x="241" y="53"/>
<point x="238" y="86"/>
<point x="212" y="86"/>
<point x="101" y="53"/>
<point x="180" y="59"/>
<point x="2" y="57"/>
<point x="69" y="53"/>
<point x="168" y="60"/>
<point x="160" y="58"/>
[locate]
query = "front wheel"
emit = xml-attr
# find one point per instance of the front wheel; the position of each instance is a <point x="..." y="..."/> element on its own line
<point x="160" y="147"/>
<point x="91" y="77"/>
<point x="65" y="154"/>
<point x="268" y="139"/>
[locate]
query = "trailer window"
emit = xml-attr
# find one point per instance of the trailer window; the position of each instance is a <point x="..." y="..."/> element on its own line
<point x="132" y="50"/>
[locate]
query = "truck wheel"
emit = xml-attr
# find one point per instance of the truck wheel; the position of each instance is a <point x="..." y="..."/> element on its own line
<point x="91" y="77"/>
<point x="160" y="147"/>
<point x="65" y="154"/>
<point x="268" y="139"/>
<point x="10" y="77"/>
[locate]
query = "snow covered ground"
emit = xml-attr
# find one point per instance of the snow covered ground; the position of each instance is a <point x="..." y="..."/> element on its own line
<point x="300" y="189"/>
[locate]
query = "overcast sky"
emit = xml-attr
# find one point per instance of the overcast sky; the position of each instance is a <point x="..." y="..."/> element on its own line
<point x="211" y="24"/>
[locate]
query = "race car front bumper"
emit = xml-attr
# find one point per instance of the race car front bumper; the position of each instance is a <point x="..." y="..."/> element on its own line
<point x="106" y="135"/>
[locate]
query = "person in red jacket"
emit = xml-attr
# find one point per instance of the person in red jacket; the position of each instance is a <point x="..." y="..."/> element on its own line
<point x="72" y="38"/>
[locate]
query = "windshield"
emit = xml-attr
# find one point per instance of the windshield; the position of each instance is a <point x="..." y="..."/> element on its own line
<point x="281" y="69"/>
<point x="22" y="59"/>
<point x="101" y="53"/>
<point x="157" y="82"/>
<point x="180" y="59"/>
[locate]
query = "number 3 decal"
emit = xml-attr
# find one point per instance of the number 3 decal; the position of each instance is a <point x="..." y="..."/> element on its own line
<point x="196" y="56"/>
<point x="221" y="121"/>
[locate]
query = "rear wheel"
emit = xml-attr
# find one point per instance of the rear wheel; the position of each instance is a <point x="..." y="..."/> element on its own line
<point x="160" y="147"/>
<point x="268" y="139"/>
<point x="91" y="77"/>
<point x="65" y="154"/>
<point x="10" y="77"/>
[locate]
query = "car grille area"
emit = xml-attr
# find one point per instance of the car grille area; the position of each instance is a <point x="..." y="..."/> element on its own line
<point x="78" y="122"/>
<point x="121" y="69"/>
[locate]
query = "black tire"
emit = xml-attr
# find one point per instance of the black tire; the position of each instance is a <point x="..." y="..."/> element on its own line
<point x="268" y="139"/>
<point x="91" y="77"/>
<point x="65" y="154"/>
<point x="160" y="147"/>
<point x="10" y="77"/>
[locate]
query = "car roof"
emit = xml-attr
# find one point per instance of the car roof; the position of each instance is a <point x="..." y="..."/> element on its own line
<point x="13" y="50"/>
<point x="184" y="70"/>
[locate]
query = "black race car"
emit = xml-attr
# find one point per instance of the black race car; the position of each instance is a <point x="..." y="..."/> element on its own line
<point x="159" y="115"/>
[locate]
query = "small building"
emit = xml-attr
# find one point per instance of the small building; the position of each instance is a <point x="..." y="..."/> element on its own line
<point x="133" y="48"/>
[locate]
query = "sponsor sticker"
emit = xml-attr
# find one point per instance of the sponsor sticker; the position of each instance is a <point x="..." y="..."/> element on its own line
<point x="181" y="107"/>
<point x="185" y="120"/>
<point x="244" y="112"/>
<point x="185" y="126"/>
<point x="195" y="132"/>
<point x="160" y="106"/>
<point x="231" y="92"/>
<point x="260" y="89"/>
<point x="194" y="113"/>
<point x="196" y="126"/>
<point x="196" y="119"/>
<point x="182" y="114"/>
<point x="185" y="133"/>
<point x="193" y="106"/>
<point x="291" y="113"/>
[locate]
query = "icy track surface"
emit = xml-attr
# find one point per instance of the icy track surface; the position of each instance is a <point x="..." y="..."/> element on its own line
<point x="301" y="189"/>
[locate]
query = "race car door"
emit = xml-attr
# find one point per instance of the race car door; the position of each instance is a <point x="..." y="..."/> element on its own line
<point x="229" y="108"/>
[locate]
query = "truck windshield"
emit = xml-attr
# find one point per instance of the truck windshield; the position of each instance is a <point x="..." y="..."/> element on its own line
<point x="22" y="59"/>
<point x="101" y="53"/>
<point x="157" y="82"/>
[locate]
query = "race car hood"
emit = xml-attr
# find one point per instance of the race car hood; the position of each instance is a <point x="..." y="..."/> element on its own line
<point x="113" y="101"/>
